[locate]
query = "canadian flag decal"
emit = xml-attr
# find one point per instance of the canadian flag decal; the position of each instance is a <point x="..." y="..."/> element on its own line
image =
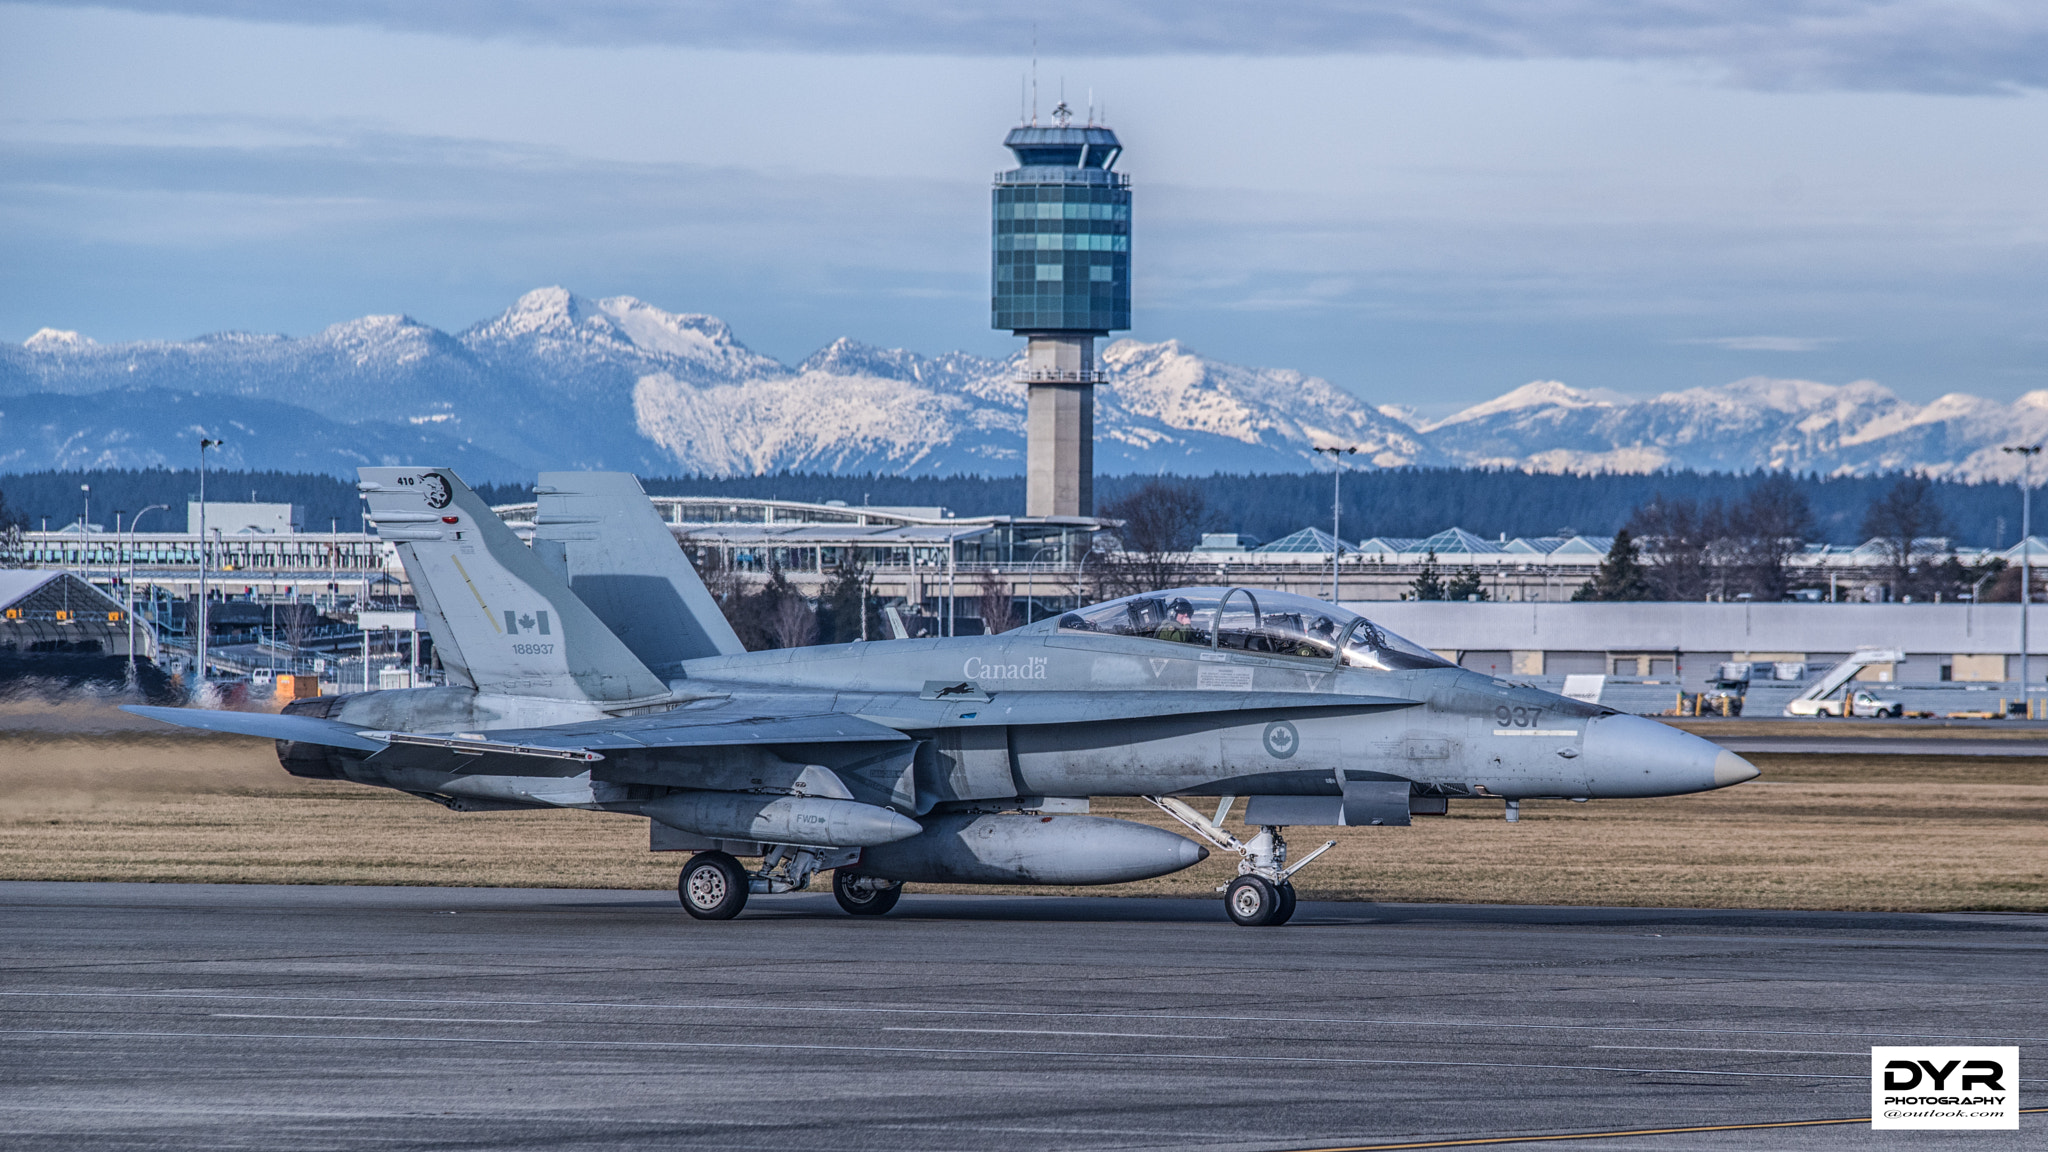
<point x="516" y="622"/>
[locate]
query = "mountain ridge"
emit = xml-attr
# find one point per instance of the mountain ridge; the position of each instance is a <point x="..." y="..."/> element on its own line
<point x="562" y="380"/>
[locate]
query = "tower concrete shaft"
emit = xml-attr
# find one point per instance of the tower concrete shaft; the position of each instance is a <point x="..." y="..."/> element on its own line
<point x="1059" y="472"/>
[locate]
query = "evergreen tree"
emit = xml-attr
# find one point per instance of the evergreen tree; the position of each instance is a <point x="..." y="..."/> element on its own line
<point x="1466" y="586"/>
<point x="1621" y="576"/>
<point x="844" y="602"/>
<point x="1427" y="584"/>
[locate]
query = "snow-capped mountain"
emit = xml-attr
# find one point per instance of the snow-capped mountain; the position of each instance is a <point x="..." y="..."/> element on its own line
<point x="561" y="381"/>
<point x="1860" y="427"/>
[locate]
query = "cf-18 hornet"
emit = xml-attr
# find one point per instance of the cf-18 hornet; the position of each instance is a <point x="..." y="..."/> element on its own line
<point x="593" y="670"/>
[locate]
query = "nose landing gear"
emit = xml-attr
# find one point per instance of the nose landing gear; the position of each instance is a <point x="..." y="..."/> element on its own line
<point x="1262" y="896"/>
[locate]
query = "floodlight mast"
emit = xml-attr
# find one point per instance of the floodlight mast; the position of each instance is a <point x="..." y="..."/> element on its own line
<point x="2026" y="452"/>
<point x="1336" y="509"/>
<point x="199" y="642"/>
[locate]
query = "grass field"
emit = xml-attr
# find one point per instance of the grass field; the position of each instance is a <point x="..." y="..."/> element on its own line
<point x="86" y="798"/>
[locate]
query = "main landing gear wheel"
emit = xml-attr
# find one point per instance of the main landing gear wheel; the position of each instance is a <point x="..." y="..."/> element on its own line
<point x="713" y="886"/>
<point x="863" y="896"/>
<point x="1255" y="902"/>
<point x="1286" y="910"/>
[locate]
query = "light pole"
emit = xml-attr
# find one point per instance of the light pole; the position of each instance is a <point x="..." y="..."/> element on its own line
<point x="199" y="637"/>
<point x="1336" y="509"/>
<point x="2026" y="452"/>
<point x="131" y="578"/>
<point x="85" y="531"/>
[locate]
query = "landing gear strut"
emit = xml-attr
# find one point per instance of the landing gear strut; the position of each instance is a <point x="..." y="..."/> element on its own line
<point x="1262" y="896"/>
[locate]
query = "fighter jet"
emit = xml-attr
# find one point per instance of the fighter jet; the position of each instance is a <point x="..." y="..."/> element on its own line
<point x="591" y="669"/>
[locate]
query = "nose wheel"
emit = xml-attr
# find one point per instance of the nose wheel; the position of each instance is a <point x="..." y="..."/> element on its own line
<point x="1262" y="896"/>
<point x="1256" y="902"/>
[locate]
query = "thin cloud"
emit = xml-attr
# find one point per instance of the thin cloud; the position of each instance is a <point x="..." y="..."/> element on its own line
<point x="1893" y="45"/>
<point x="1767" y="343"/>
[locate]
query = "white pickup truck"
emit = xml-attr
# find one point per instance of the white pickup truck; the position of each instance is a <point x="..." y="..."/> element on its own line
<point x="1856" y="701"/>
<point x="1859" y="703"/>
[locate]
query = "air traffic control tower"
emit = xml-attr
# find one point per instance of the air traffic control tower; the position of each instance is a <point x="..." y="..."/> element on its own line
<point x="1062" y="278"/>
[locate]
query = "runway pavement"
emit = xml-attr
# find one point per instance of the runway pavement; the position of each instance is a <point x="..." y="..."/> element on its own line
<point x="1850" y="744"/>
<point x="200" y="1016"/>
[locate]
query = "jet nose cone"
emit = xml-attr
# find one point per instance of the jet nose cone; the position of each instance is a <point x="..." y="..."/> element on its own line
<point x="1635" y="756"/>
<point x="1732" y="769"/>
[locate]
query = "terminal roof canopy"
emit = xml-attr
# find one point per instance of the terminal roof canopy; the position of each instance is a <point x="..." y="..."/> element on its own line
<point x="1585" y="546"/>
<point x="1306" y="540"/>
<point x="1456" y="541"/>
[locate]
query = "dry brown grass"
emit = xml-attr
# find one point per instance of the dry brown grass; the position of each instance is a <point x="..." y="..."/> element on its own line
<point x="124" y="803"/>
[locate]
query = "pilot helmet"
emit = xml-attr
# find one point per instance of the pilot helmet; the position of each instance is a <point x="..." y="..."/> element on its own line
<point x="1180" y="607"/>
<point x="1323" y="626"/>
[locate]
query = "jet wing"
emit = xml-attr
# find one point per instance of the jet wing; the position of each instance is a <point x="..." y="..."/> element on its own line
<point x="1001" y="707"/>
<point x="708" y="730"/>
<point x="304" y="729"/>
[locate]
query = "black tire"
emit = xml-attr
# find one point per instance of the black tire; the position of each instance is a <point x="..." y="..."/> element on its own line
<point x="863" y="901"/>
<point x="712" y="886"/>
<point x="1286" y="909"/>
<point x="1252" y="901"/>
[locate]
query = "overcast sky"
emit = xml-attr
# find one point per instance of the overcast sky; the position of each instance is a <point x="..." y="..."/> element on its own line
<point x="1427" y="203"/>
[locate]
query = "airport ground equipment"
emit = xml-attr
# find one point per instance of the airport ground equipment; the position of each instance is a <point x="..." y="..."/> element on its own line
<point x="591" y="670"/>
<point x="1856" y="702"/>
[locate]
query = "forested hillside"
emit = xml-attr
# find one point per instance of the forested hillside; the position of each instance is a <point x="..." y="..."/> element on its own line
<point x="1391" y="502"/>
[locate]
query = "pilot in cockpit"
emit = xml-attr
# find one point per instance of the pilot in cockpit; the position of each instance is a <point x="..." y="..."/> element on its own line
<point x="1180" y="627"/>
<point x="1321" y="639"/>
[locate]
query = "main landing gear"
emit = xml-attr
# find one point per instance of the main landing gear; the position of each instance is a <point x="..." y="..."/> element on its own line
<point x="1262" y="896"/>
<point x="864" y="895"/>
<point x="715" y="885"/>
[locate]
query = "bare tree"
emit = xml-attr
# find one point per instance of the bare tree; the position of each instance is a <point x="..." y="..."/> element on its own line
<point x="997" y="605"/>
<point x="1160" y="522"/>
<point x="1907" y="523"/>
<point x="1677" y="540"/>
<point x="793" y="623"/>
<point x="297" y="626"/>
<point x="1766" y="530"/>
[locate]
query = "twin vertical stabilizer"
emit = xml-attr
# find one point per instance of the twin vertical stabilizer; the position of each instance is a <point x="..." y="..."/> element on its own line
<point x="599" y="532"/>
<point x="501" y="619"/>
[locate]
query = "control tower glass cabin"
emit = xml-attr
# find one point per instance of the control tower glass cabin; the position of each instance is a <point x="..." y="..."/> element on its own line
<point x="1062" y="278"/>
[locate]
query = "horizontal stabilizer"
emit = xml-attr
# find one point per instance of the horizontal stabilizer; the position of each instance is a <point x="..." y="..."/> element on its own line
<point x="477" y="746"/>
<point x="303" y="729"/>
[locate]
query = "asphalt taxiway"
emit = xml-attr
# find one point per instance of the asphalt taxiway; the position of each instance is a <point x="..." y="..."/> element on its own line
<point x="201" y="1016"/>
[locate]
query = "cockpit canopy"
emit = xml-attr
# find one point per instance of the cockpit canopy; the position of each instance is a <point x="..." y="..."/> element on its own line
<point x="1248" y="620"/>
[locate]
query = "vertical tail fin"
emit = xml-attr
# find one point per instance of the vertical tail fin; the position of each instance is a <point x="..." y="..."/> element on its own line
<point x="500" y="619"/>
<point x="606" y="538"/>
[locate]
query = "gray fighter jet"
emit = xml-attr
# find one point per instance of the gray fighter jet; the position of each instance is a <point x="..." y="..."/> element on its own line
<point x="593" y="670"/>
